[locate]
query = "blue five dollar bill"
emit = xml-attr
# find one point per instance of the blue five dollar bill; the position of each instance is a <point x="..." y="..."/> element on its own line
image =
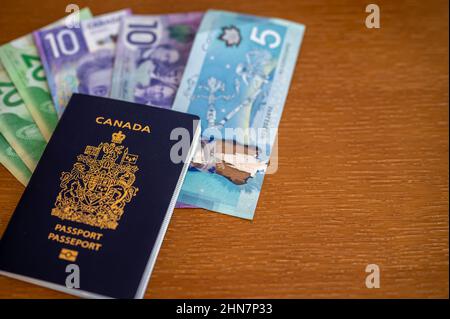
<point x="236" y="79"/>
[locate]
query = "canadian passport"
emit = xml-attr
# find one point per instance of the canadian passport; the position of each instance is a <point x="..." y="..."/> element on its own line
<point x="100" y="200"/>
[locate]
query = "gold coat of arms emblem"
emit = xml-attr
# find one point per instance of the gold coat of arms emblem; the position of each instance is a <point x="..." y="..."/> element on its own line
<point x="99" y="185"/>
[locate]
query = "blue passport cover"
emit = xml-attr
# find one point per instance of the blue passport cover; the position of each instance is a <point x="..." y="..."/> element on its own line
<point x="98" y="197"/>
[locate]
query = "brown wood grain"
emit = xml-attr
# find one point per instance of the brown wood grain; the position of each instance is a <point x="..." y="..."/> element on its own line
<point x="363" y="163"/>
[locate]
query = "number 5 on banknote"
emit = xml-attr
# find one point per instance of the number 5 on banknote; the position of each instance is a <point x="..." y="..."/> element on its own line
<point x="262" y="38"/>
<point x="236" y="79"/>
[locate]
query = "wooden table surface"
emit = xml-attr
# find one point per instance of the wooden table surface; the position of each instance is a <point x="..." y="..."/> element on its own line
<point x="363" y="162"/>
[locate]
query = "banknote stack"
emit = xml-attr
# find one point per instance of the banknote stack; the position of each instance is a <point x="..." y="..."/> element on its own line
<point x="230" y="69"/>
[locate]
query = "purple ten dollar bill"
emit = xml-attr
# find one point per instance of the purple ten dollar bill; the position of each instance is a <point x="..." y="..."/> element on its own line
<point x="79" y="59"/>
<point x="151" y="56"/>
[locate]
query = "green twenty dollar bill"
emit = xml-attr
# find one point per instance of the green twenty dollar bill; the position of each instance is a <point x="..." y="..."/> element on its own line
<point x="21" y="60"/>
<point x="17" y="125"/>
<point x="24" y="66"/>
<point x="13" y="163"/>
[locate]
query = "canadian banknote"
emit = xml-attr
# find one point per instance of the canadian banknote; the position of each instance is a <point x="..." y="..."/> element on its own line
<point x="79" y="59"/>
<point x="151" y="55"/>
<point x="23" y="64"/>
<point x="17" y="125"/>
<point x="236" y="79"/>
<point x="13" y="163"/>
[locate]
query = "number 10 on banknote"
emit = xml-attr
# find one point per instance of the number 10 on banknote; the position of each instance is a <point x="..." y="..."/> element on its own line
<point x="79" y="60"/>
<point x="150" y="57"/>
<point x="236" y="79"/>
